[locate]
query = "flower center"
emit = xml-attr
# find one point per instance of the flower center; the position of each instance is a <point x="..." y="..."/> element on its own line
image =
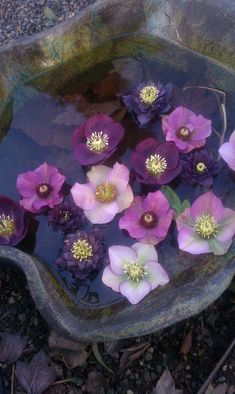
<point x="149" y="94"/>
<point x="135" y="271"/>
<point x="201" y="167"/>
<point x="148" y="219"/>
<point x="156" y="164"/>
<point x="105" y="192"/>
<point x="97" y="142"/>
<point x="183" y="133"/>
<point x="81" y="250"/>
<point x="7" y="225"/>
<point x="65" y="216"/>
<point x="206" y="226"/>
<point x="43" y="190"/>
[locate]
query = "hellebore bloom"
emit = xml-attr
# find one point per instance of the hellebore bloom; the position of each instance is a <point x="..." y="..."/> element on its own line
<point x="82" y="253"/>
<point x="227" y="151"/>
<point x="206" y="227"/>
<point x="107" y="194"/>
<point x="199" y="167"/>
<point x="186" y="129"/>
<point x="148" y="220"/>
<point x="156" y="163"/>
<point x="134" y="271"/>
<point x="13" y="222"/>
<point x="40" y="188"/>
<point x="66" y="217"/>
<point x="96" y="139"/>
<point x="148" y="101"/>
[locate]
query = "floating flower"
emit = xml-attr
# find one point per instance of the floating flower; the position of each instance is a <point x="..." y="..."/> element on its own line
<point x="40" y="188"/>
<point x="148" y="220"/>
<point x="156" y="163"/>
<point x="148" y="101"/>
<point x="206" y="227"/>
<point x="227" y="151"/>
<point x="13" y="222"/>
<point x="199" y="167"/>
<point x="107" y="194"/>
<point x="186" y="129"/>
<point x="66" y="217"/>
<point x="82" y="253"/>
<point x="134" y="271"/>
<point x="96" y="139"/>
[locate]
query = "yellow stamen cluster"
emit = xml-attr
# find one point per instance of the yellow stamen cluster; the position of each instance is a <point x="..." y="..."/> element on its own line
<point x="206" y="226"/>
<point x="184" y="132"/>
<point x="156" y="164"/>
<point x="201" y="167"/>
<point x="44" y="188"/>
<point x="105" y="192"/>
<point x="97" y="142"/>
<point x="135" y="271"/>
<point x="81" y="250"/>
<point x="148" y="218"/>
<point x="149" y="94"/>
<point x="7" y="225"/>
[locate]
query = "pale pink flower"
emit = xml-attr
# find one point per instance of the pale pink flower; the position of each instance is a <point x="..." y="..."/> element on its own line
<point x="186" y="129"/>
<point x="227" y="151"/>
<point x="148" y="219"/>
<point x="107" y="193"/>
<point x="206" y="227"/>
<point x="135" y="271"/>
<point x="40" y="188"/>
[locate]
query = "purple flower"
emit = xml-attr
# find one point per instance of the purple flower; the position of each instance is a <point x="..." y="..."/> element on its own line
<point x="13" y="222"/>
<point x="96" y="139"/>
<point x="40" y="188"/>
<point x="148" y="220"/>
<point x="206" y="227"/>
<point x="199" y="167"/>
<point x="134" y="272"/>
<point x="156" y="163"/>
<point x="148" y="101"/>
<point x="66" y="217"/>
<point x="82" y="253"/>
<point x="107" y="193"/>
<point x="186" y="129"/>
<point x="227" y="151"/>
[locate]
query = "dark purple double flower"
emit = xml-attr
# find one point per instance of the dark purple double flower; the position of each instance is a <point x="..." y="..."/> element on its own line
<point x="148" y="101"/>
<point x="199" y="167"/>
<point x="14" y="222"/>
<point x="66" y="217"/>
<point x="82" y="253"/>
<point x="96" y="139"/>
<point x="156" y="163"/>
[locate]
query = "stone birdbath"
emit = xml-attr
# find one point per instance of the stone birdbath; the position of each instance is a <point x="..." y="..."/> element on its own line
<point x="175" y="33"/>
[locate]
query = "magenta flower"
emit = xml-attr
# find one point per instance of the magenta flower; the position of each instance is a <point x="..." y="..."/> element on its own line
<point x="14" y="222"/>
<point x="156" y="163"/>
<point x="206" y="227"/>
<point x="227" y="151"/>
<point x="96" y="139"/>
<point x="106" y="194"/>
<point x="134" y="271"/>
<point x="40" y="188"/>
<point x="186" y="129"/>
<point x="148" y="220"/>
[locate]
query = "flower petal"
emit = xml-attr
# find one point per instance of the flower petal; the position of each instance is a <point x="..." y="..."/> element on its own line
<point x="119" y="176"/>
<point x="103" y="213"/>
<point x="98" y="174"/>
<point x="157" y="276"/>
<point x="227" y="152"/>
<point x="125" y="199"/>
<point x="145" y="252"/>
<point x="209" y="204"/>
<point x="219" y="248"/>
<point x="226" y="226"/>
<point x="118" y="255"/>
<point x="84" y="196"/>
<point x="190" y="242"/>
<point x="135" y="292"/>
<point x="86" y="157"/>
<point x="110" y="279"/>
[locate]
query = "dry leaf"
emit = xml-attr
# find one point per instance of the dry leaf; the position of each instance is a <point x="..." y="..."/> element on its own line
<point x="11" y="347"/>
<point x="186" y="343"/>
<point x="113" y="348"/>
<point x="36" y="376"/>
<point x="74" y="358"/>
<point x="57" y="341"/>
<point x="109" y="86"/>
<point x="131" y="354"/>
<point x="95" y="383"/>
<point x="220" y="389"/>
<point x="166" y="384"/>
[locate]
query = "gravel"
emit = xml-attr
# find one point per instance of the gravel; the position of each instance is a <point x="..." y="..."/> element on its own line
<point x="27" y="17"/>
